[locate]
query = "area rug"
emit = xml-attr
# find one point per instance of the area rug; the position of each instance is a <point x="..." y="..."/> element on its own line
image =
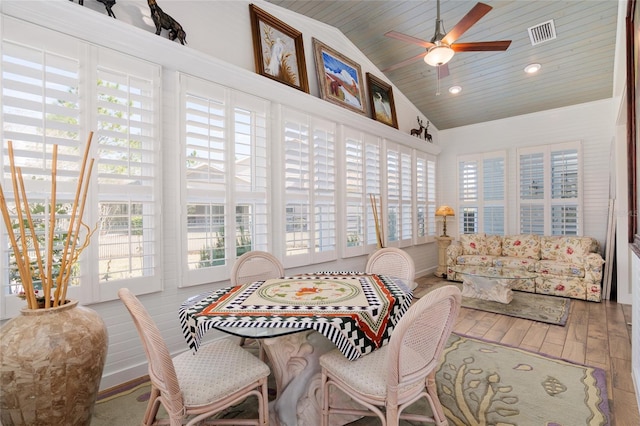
<point x="531" y="306"/>
<point x="479" y="383"/>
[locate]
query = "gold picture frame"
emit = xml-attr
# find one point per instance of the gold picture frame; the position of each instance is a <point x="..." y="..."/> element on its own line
<point x="383" y="108"/>
<point x="278" y="50"/>
<point x="339" y="78"/>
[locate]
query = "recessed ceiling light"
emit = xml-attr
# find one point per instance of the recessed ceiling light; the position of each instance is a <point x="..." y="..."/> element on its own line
<point x="454" y="90"/>
<point x="532" y="68"/>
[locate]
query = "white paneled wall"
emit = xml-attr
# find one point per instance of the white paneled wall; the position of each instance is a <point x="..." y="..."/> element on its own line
<point x="590" y="123"/>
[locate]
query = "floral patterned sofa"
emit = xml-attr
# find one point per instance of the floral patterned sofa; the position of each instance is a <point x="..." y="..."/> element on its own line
<point x="567" y="266"/>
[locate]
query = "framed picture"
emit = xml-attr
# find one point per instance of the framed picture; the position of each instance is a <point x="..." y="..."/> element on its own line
<point x="381" y="102"/>
<point x="339" y="78"/>
<point x="278" y="50"/>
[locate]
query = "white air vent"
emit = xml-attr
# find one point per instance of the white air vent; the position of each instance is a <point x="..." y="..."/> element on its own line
<point x="542" y="32"/>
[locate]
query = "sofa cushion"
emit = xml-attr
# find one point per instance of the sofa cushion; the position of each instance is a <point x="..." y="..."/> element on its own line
<point x="494" y="245"/>
<point x="473" y="244"/>
<point x="565" y="249"/>
<point x="475" y="260"/>
<point x="521" y="246"/>
<point x="553" y="267"/>
<point x="517" y="263"/>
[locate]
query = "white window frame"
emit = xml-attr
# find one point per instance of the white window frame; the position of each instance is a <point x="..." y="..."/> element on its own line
<point x="424" y="230"/>
<point x="91" y="287"/>
<point x="363" y="161"/>
<point x="311" y="188"/>
<point x="547" y="202"/>
<point x="480" y="202"/>
<point x="232" y="191"/>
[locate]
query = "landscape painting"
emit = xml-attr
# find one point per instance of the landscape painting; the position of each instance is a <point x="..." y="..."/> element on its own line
<point x="339" y="78"/>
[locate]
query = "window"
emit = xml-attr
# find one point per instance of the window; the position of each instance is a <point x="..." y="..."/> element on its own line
<point x="425" y="197"/>
<point x="362" y="178"/>
<point x="54" y="93"/>
<point x="549" y="187"/>
<point x="128" y="146"/>
<point x="481" y="193"/>
<point x="309" y="189"/>
<point x="399" y="197"/>
<point x="225" y="173"/>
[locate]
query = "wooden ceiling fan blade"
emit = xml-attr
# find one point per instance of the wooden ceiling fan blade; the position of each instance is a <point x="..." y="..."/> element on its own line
<point x="474" y="15"/>
<point x="481" y="46"/>
<point x="408" y="39"/>
<point x="405" y="62"/>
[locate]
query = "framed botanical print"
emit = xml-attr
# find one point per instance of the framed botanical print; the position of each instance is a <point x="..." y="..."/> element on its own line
<point x="339" y="78"/>
<point x="278" y="50"/>
<point x="383" y="108"/>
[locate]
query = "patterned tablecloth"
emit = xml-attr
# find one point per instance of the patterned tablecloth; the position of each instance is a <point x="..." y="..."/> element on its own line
<point x="357" y="312"/>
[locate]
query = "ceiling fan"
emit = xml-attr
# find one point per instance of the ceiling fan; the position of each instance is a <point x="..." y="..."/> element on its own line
<point x="442" y="46"/>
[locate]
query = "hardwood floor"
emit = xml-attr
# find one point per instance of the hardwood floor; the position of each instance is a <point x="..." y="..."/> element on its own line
<point x="596" y="334"/>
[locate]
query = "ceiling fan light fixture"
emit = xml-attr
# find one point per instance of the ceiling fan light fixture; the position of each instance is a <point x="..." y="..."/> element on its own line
<point x="532" y="68"/>
<point x="439" y="54"/>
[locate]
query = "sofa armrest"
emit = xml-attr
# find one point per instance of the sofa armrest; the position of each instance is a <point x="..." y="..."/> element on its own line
<point x="453" y="251"/>
<point x="593" y="267"/>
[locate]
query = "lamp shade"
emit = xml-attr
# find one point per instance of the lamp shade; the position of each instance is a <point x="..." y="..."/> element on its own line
<point x="439" y="54"/>
<point x="445" y="211"/>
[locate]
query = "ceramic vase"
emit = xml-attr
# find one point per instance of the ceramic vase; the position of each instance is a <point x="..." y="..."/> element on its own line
<point x="51" y="363"/>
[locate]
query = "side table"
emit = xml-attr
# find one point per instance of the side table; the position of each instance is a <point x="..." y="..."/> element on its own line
<point x="443" y="243"/>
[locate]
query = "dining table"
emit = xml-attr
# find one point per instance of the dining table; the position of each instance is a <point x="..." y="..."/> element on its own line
<point x="297" y="319"/>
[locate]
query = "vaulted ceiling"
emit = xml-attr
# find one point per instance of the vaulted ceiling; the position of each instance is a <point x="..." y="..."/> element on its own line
<point x="577" y="66"/>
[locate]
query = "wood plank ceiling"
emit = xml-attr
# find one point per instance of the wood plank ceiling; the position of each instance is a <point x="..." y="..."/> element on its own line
<point x="577" y="66"/>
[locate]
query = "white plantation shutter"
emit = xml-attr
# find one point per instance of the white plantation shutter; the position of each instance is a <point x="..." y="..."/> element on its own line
<point x="310" y="193"/>
<point x="481" y="193"/>
<point x="425" y="198"/>
<point x="354" y="192"/>
<point x="399" y="202"/>
<point x="362" y="178"/>
<point x="55" y="91"/>
<point x="421" y="229"/>
<point x="531" y="187"/>
<point x="127" y="145"/>
<point x="493" y="195"/>
<point x="324" y="173"/>
<point x="550" y="189"/>
<point x="391" y="202"/>
<point x="406" y="179"/>
<point x="373" y="179"/>
<point x="225" y="177"/>
<point x="40" y="108"/>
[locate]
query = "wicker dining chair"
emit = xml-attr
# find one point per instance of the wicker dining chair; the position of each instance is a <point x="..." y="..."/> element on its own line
<point x="389" y="379"/>
<point x="393" y="262"/>
<point x="254" y="266"/>
<point x="193" y="387"/>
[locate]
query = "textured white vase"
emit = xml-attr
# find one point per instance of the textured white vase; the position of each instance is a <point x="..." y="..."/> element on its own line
<point x="51" y="363"/>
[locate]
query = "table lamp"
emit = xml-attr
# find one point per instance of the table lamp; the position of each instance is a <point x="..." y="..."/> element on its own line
<point x="444" y="211"/>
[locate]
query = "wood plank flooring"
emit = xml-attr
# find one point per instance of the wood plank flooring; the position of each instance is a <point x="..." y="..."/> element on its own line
<point x="596" y="334"/>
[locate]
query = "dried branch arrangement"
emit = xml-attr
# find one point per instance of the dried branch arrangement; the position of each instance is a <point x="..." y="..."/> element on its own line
<point x="377" y="220"/>
<point x="26" y="241"/>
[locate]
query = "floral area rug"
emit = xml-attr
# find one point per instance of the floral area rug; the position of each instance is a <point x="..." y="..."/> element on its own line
<point x="479" y="383"/>
<point x="483" y="383"/>
<point x="531" y="306"/>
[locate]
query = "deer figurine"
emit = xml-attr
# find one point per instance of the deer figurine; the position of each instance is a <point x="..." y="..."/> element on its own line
<point x="427" y="135"/>
<point x="108" y="4"/>
<point x="418" y="132"/>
